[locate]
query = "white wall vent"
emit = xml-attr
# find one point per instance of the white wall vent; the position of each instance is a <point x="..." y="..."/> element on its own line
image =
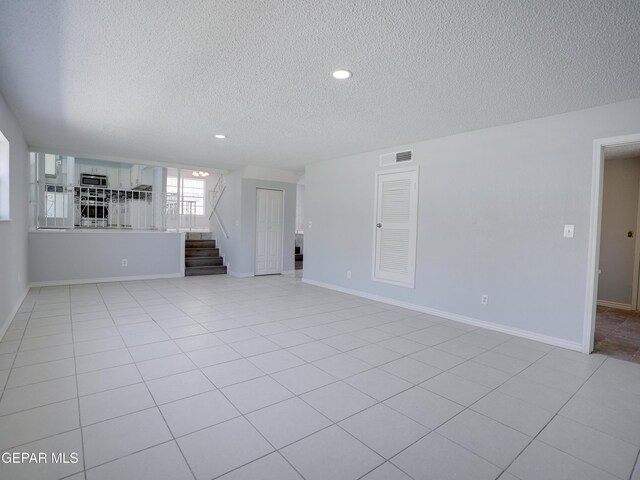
<point x="396" y="157"/>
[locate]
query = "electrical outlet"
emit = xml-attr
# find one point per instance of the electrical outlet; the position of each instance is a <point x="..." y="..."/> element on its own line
<point x="310" y="223"/>
<point x="348" y="273"/>
<point x="484" y="299"/>
<point x="568" y="231"/>
<point x="125" y="262"/>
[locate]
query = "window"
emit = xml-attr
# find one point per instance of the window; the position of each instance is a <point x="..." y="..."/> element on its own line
<point x="192" y="194"/>
<point x="4" y="178"/>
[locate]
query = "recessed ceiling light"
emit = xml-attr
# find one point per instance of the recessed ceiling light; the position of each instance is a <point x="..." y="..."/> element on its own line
<point x="341" y="74"/>
<point x="220" y="136"/>
<point x="200" y="174"/>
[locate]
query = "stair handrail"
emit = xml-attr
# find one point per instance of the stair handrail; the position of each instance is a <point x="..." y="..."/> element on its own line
<point x="216" y="194"/>
<point x="217" y="191"/>
<point x="224" y="230"/>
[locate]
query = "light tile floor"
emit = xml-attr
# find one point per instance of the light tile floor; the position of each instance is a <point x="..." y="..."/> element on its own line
<point x="270" y="378"/>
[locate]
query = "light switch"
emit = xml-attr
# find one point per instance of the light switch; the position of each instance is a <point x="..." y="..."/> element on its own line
<point x="310" y="224"/>
<point x="568" y="231"/>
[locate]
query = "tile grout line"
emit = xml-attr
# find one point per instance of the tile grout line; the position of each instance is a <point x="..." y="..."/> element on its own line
<point x="336" y="424"/>
<point x="247" y="358"/>
<point x="48" y="436"/>
<point x="294" y="396"/>
<point x="497" y="421"/>
<point x="244" y="416"/>
<point x="347" y="352"/>
<point x="299" y="396"/>
<point x="4" y="388"/>
<point x="157" y="407"/>
<point x="84" y="459"/>
<point x="552" y="418"/>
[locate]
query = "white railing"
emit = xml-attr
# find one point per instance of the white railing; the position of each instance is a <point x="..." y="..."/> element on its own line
<point x="214" y="199"/>
<point x="178" y="215"/>
<point x="53" y="205"/>
<point x="69" y="207"/>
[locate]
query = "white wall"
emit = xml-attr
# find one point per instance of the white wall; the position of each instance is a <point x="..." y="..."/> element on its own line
<point x="237" y="209"/>
<point x="13" y="234"/>
<point x="619" y="216"/>
<point x="229" y="211"/>
<point x="202" y="222"/>
<point x="492" y="207"/>
<point x="247" y="258"/>
<point x="93" y="255"/>
<point x="300" y="207"/>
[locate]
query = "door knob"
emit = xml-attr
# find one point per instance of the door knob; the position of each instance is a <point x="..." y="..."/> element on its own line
<point x="379" y="225"/>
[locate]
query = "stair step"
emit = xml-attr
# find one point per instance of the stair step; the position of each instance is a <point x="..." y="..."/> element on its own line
<point x="297" y="250"/>
<point x="201" y="252"/>
<point x="298" y="257"/>
<point x="212" y="270"/>
<point x="203" y="261"/>
<point x="200" y="244"/>
<point x="201" y="255"/>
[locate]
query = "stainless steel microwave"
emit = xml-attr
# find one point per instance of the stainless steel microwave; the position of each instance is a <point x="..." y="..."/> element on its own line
<point x="90" y="180"/>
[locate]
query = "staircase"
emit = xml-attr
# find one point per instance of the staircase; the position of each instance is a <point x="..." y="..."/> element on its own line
<point x="201" y="257"/>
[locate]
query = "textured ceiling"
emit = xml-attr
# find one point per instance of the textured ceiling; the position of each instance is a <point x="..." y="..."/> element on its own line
<point x="157" y="79"/>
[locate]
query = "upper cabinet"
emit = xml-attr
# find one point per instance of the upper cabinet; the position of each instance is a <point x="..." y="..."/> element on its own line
<point x="136" y="174"/>
<point x="125" y="176"/>
<point x="118" y="174"/>
<point x="113" y="175"/>
<point x="142" y="177"/>
<point x="88" y="167"/>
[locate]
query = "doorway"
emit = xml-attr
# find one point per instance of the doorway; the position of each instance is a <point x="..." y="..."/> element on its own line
<point x="269" y="231"/>
<point x="299" y="245"/>
<point x="612" y="322"/>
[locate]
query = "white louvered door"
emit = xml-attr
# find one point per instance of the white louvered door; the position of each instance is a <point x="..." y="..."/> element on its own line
<point x="396" y="226"/>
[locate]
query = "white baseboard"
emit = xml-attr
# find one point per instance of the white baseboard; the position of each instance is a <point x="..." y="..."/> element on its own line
<point x="55" y="283"/>
<point x="557" y="342"/>
<point x="12" y="313"/>
<point x="251" y="274"/>
<point x="619" y="306"/>
<point x="239" y="275"/>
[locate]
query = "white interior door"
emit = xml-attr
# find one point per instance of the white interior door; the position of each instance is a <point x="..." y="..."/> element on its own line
<point x="269" y="231"/>
<point x="635" y="294"/>
<point x="396" y="226"/>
